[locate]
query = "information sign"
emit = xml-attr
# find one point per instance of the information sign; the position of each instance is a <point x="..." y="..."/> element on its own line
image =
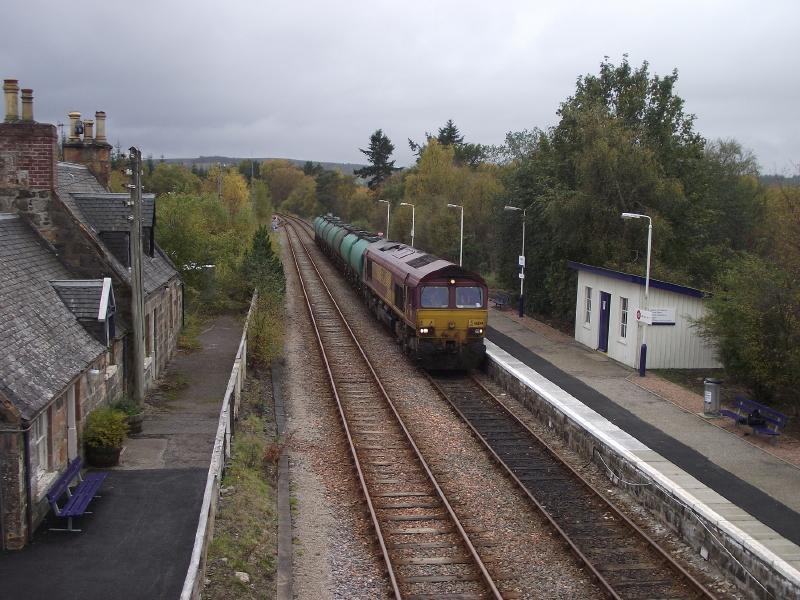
<point x="644" y="316"/>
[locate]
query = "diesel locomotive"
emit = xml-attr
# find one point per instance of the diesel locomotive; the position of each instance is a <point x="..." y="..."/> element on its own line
<point x="436" y="309"/>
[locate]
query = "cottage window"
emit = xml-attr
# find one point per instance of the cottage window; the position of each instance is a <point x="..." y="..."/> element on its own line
<point x="588" y="305"/>
<point x="39" y="442"/>
<point x="623" y="318"/>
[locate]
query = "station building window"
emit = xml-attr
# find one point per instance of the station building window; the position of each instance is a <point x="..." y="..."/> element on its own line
<point x="623" y="318"/>
<point x="587" y="318"/>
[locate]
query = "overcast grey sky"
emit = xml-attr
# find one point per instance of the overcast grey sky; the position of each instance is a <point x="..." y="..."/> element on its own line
<point x="313" y="80"/>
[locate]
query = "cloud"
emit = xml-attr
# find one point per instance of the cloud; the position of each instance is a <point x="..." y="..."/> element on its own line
<point x="314" y="79"/>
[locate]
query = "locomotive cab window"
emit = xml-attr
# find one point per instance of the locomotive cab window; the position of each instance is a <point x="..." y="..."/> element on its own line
<point x="435" y="296"/>
<point x="469" y="297"/>
<point x="369" y="269"/>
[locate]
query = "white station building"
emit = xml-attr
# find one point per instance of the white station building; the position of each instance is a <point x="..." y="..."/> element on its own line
<point x="610" y="317"/>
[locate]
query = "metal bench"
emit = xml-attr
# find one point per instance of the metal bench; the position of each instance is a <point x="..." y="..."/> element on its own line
<point x="774" y="421"/>
<point x="500" y="299"/>
<point x="78" y="498"/>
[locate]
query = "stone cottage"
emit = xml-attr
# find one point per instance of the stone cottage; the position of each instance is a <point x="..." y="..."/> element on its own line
<point x="65" y="302"/>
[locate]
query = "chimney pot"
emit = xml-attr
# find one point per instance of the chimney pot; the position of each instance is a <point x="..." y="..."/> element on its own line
<point x="74" y="118"/>
<point x="27" y="104"/>
<point x="88" y="130"/>
<point x="11" y="90"/>
<point x="100" y="131"/>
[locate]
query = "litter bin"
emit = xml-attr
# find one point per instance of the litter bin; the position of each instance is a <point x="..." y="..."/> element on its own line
<point x="711" y="397"/>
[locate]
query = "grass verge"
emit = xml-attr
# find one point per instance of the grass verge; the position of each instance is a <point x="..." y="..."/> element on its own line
<point x="189" y="339"/>
<point x="245" y="531"/>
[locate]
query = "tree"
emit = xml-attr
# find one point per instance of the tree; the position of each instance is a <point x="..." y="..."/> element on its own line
<point x="380" y="168"/>
<point x="449" y="135"/>
<point x="282" y="177"/>
<point x="303" y="199"/>
<point x="167" y="178"/>
<point x="234" y="191"/>
<point x="261" y="267"/>
<point x="261" y="200"/>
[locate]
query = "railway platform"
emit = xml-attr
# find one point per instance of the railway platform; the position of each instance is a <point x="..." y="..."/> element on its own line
<point x="753" y="487"/>
<point x="138" y="540"/>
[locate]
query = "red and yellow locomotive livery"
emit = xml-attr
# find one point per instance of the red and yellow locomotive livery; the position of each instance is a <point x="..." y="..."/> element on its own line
<point x="435" y="308"/>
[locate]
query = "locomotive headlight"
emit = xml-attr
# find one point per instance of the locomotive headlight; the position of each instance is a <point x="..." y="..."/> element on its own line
<point x="477" y="331"/>
<point x="423" y="330"/>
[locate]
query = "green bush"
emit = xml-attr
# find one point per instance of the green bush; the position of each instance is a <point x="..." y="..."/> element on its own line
<point x="128" y="406"/>
<point x="105" y="428"/>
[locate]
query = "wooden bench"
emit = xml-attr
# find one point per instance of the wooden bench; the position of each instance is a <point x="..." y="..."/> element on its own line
<point x="774" y="421"/>
<point x="500" y="299"/>
<point x="78" y="498"/>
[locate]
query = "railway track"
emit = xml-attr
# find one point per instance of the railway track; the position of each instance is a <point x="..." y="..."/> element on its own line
<point x="426" y="549"/>
<point x="624" y="561"/>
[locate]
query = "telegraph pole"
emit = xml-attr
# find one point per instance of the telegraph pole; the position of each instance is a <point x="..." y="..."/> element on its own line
<point x="137" y="292"/>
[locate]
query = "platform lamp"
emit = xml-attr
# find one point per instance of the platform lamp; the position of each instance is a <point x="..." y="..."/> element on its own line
<point x="643" y="350"/>
<point x="388" y="207"/>
<point x="413" y="210"/>
<point x="461" y="251"/>
<point x="521" y="260"/>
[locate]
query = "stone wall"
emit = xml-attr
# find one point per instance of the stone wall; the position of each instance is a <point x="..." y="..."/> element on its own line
<point x="164" y="308"/>
<point x="14" y="522"/>
<point x="695" y="529"/>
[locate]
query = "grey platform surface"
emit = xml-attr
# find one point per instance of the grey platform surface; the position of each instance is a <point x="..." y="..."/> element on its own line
<point x="135" y="545"/>
<point x="739" y="481"/>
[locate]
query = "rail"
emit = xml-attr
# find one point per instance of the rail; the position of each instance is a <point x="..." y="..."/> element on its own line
<point x="222" y="450"/>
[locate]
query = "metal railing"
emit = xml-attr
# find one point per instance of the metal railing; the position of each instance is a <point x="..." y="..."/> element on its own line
<point x="222" y="451"/>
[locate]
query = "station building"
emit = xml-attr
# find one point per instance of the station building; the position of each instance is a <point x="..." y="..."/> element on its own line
<point x="65" y="297"/>
<point x="609" y="318"/>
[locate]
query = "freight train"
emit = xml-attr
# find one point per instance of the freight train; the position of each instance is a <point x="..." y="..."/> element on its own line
<point x="436" y="309"/>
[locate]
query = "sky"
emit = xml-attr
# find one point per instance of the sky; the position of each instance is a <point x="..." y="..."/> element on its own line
<point x="312" y="80"/>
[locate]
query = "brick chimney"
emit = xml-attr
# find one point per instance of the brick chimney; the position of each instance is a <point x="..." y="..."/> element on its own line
<point x="92" y="151"/>
<point x="27" y="148"/>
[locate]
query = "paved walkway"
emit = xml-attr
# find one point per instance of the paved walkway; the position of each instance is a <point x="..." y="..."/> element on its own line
<point x="762" y="484"/>
<point x="138" y="542"/>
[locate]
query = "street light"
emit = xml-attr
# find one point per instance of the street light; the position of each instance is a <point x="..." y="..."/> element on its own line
<point x="413" y="210"/>
<point x="461" y="251"/>
<point x="388" y="206"/>
<point x="521" y="259"/>
<point x="643" y="351"/>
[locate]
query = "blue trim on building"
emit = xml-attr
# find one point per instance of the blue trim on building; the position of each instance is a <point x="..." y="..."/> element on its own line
<point x="654" y="283"/>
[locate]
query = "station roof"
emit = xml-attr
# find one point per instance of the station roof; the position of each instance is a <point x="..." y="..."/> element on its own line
<point x="638" y="279"/>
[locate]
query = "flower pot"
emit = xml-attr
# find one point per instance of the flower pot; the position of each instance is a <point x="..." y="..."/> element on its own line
<point x="135" y="423"/>
<point x="102" y="457"/>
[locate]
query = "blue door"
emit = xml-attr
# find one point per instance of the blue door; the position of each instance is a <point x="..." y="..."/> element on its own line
<point x="605" y="313"/>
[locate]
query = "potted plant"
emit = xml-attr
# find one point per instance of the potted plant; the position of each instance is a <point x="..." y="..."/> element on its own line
<point x="105" y="431"/>
<point x="134" y="414"/>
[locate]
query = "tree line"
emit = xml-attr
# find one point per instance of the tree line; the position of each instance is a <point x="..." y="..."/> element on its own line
<point x="623" y="143"/>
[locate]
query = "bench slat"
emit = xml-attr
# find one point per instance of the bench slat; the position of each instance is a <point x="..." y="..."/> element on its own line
<point x="80" y="496"/>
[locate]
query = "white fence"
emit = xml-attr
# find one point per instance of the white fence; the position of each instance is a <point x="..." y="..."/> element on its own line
<point x="222" y="451"/>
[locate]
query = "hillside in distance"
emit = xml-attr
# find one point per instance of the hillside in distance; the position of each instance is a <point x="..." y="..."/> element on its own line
<point x="204" y="162"/>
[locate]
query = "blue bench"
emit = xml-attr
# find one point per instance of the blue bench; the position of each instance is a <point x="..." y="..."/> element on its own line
<point x="500" y="299"/>
<point x="78" y="498"/>
<point x="773" y="421"/>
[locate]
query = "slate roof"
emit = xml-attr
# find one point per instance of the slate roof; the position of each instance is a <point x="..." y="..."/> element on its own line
<point x="103" y="211"/>
<point x="109" y="212"/>
<point x="43" y="345"/>
<point x="81" y="296"/>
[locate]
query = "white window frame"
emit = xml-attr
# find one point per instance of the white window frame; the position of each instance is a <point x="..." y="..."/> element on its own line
<point x="623" y="317"/>
<point x="39" y="442"/>
<point x="587" y="313"/>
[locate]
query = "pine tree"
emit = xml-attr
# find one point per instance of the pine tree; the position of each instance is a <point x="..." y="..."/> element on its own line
<point x="261" y="267"/>
<point x="379" y="151"/>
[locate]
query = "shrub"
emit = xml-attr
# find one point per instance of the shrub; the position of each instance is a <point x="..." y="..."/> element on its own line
<point x="105" y="428"/>
<point x="128" y="406"/>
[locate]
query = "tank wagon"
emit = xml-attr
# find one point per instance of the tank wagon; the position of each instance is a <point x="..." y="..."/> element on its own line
<point x="436" y="309"/>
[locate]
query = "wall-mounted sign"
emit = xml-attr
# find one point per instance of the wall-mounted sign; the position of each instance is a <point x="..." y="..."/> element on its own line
<point x="663" y="316"/>
<point x="521" y="260"/>
<point x="644" y="316"/>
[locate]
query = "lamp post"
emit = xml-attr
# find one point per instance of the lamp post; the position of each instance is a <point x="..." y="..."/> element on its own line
<point x="643" y="351"/>
<point x="413" y="210"/>
<point x="388" y="206"/>
<point x="461" y="250"/>
<point x="521" y="259"/>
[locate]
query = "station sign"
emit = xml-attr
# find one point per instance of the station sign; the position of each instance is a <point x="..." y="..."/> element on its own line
<point x="663" y="316"/>
<point x="644" y="316"/>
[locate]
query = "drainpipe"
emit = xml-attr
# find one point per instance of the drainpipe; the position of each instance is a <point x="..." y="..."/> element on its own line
<point x="26" y="435"/>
